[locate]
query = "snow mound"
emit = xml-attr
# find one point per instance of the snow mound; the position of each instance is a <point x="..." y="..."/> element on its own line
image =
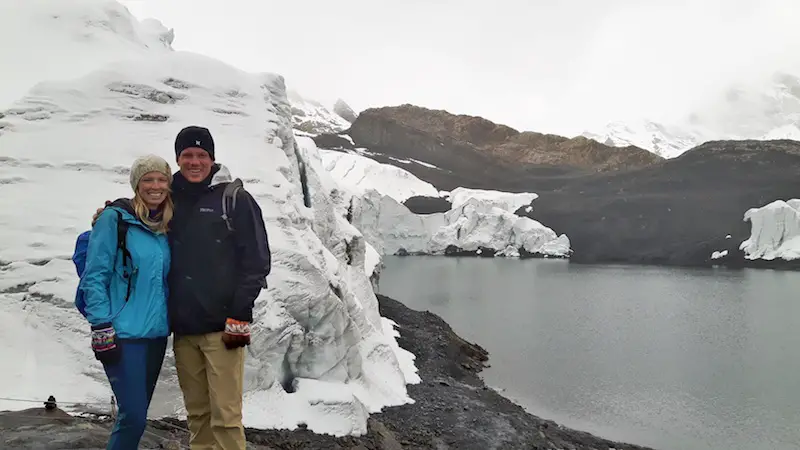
<point x="478" y="223"/>
<point x="775" y="231"/>
<point x="719" y="254"/>
<point x="66" y="39"/>
<point x="360" y="174"/>
<point x="321" y="353"/>
<point x="311" y="117"/>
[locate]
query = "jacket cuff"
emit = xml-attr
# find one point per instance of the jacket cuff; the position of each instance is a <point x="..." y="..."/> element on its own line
<point x="242" y="316"/>
<point x="102" y="326"/>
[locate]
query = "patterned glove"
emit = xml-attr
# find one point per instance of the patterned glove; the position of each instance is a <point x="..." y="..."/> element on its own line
<point x="237" y="334"/>
<point x="104" y="343"/>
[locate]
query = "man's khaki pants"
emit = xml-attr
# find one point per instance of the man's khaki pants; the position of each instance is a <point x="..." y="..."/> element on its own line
<point x="211" y="378"/>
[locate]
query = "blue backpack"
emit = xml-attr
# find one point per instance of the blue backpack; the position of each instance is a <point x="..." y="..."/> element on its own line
<point x="79" y="258"/>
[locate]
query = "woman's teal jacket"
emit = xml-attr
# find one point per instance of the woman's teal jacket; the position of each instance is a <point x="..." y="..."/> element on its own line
<point x="104" y="288"/>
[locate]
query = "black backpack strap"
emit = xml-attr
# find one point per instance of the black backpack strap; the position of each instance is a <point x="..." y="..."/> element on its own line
<point x="122" y="244"/>
<point x="229" y="201"/>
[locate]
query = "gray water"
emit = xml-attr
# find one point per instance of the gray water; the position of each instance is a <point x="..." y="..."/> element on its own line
<point x="663" y="357"/>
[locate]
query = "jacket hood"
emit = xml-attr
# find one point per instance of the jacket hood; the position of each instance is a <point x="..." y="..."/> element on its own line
<point x="125" y="206"/>
<point x="223" y="175"/>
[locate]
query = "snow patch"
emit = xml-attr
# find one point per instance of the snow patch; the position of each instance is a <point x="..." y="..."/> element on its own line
<point x="719" y="254"/>
<point x="360" y="174"/>
<point x="423" y="163"/>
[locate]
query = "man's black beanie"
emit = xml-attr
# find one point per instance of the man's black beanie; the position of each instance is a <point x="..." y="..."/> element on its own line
<point x="194" y="136"/>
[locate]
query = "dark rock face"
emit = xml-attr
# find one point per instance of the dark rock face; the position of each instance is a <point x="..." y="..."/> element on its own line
<point x="482" y="252"/>
<point x="677" y="212"/>
<point x="427" y="205"/>
<point x="344" y="111"/>
<point x="454" y="410"/>
<point x="332" y="142"/>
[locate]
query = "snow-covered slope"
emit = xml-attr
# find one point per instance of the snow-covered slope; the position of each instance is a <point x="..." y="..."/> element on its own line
<point x="310" y="117"/>
<point x="768" y="111"/>
<point x="775" y="231"/>
<point x="48" y="40"/>
<point x="360" y="174"/>
<point x="321" y="353"/>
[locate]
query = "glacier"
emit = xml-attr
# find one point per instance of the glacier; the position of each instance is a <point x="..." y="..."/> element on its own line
<point x="774" y="231"/>
<point x="370" y="196"/>
<point x="321" y="355"/>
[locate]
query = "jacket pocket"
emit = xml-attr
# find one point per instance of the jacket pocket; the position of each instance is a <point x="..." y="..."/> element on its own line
<point x="124" y="312"/>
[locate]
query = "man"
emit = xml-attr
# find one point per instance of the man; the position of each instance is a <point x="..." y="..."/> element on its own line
<point x="215" y="276"/>
<point x="216" y="273"/>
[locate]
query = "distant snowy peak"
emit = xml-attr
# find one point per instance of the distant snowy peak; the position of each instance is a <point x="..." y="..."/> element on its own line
<point x="68" y="39"/>
<point x="791" y="132"/>
<point x="660" y="139"/>
<point x="311" y="117"/>
<point x="768" y="111"/>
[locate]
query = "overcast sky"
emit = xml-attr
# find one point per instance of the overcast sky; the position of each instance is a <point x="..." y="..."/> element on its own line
<point x="556" y="66"/>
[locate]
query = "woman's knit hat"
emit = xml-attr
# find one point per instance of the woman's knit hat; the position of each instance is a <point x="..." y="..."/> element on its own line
<point x="146" y="164"/>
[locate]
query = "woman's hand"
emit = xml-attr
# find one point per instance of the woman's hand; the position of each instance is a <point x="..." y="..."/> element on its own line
<point x="104" y="343"/>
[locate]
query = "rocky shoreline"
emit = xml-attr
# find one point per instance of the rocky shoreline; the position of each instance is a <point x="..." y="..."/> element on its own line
<point x="453" y="409"/>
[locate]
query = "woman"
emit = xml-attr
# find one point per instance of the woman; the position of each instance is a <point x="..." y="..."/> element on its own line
<point x="129" y="320"/>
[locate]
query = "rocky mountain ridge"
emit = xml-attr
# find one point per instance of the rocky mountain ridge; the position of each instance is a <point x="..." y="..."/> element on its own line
<point x="499" y="142"/>
<point x="453" y="151"/>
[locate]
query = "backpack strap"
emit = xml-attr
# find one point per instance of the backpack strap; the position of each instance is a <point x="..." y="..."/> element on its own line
<point x="229" y="201"/>
<point x="122" y="244"/>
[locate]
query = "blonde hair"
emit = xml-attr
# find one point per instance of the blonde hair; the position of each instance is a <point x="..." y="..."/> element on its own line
<point x="160" y="224"/>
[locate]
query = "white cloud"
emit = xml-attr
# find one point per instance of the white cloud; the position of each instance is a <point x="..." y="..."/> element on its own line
<point x="533" y="64"/>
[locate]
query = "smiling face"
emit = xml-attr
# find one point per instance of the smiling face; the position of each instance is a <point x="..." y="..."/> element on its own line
<point x="153" y="189"/>
<point x="195" y="164"/>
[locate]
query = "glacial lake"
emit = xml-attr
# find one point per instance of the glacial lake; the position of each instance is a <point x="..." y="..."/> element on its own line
<point x="671" y="358"/>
